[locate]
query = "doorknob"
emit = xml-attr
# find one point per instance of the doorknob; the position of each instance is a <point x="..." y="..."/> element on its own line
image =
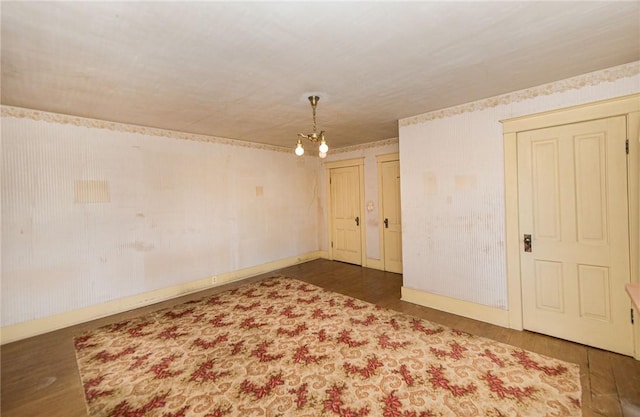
<point x="386" y="223"/>
<point x="527" y="243"/>
<point x="357" y="221"/>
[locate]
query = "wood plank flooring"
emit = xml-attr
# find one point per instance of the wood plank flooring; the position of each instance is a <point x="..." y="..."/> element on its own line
<point x="39" y="375"/>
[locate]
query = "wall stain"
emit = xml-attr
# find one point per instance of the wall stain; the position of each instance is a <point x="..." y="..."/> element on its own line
<point x="138" y="246"/>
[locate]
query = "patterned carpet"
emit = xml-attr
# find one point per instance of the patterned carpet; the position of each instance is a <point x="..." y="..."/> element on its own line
<point x="281" y="347"/>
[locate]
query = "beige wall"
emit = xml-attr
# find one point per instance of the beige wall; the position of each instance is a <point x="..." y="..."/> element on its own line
<point x="452" y="172"/>
<point x="94" y="212"/>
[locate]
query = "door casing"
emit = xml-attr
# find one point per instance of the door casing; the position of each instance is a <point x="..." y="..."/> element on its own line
<point x="628" y="106"/>
<point x="573" y="204"/>
<point x="359" y="162"/>
<point x="380" y="160"/>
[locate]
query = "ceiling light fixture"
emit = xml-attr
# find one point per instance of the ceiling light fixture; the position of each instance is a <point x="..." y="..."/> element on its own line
<point x="313" y="137"/>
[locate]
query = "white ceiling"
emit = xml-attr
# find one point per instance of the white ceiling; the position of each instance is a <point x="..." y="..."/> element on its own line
<point x="244" y="70"/>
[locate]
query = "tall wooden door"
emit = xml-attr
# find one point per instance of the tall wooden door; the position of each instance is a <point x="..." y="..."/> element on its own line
<point x="346" y="241"/>
<point x="572" y="183"/>
<point x="392" y="219"/>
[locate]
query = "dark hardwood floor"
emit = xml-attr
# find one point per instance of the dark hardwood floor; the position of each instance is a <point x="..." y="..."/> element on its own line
<point x="39" y="375"/>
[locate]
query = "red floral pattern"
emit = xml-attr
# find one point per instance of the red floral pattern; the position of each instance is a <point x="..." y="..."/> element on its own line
<point x="260" y="391"/>
<point x="204" y="372"/>
<point x="393" y="405"/>
<point x="282" y="347"/>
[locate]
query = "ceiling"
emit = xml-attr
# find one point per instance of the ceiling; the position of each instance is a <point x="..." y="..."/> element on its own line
<point x="244" y="70"/>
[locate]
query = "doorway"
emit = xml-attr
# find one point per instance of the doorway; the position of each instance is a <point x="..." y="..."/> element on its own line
<point x="572" y="201"/>
<point x="346" y="217"/>
<point x="390" y="223"/>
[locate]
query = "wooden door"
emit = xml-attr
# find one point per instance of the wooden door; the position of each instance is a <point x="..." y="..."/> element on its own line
<point x="392" y="218"/>
<point x="572" y="190"/>
<point x="346" y="242"/>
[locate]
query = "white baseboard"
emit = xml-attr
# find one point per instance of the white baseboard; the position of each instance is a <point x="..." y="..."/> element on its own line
<point x="467" y="309"/>
<point x="31" y="328"/>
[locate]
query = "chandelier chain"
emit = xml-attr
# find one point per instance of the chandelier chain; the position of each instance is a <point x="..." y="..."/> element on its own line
<point x="313" y="137"/>
<point x="314" y="117"/>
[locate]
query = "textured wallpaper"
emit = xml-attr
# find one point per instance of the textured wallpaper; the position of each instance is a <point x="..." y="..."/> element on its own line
<point x="452" y="177"/>
<point x="92" y="214"/>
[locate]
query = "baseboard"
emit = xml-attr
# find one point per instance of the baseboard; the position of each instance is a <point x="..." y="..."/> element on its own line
<point x="31" y="328"/>
<point x="636" y="333"/>
<point x="463" y="308"/>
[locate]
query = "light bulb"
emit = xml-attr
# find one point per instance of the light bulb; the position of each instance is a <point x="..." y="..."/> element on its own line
<point x="324" y="148"/>
<point x="299" y="148"/>
<point x="322" y="154"/>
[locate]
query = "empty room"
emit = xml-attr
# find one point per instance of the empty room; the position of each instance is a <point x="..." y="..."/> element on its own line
<point x="407" y="209"/>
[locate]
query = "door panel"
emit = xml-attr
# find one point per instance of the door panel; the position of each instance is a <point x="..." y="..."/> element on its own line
<point x="392" y="225"/>
<point x="572" y="191"/>
<point x="345" y="212"/>
<point x="593" y="287"/>
<point x="591" y="189"/>
<point x="546" y="188"/>
<point x="549" y="288"/>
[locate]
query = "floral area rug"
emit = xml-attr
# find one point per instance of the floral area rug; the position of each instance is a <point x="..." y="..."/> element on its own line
<point x="281" y="347"/>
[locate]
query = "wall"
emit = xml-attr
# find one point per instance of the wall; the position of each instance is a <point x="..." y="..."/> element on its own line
<point x="94" y="211"/>
<point x="369" y="152"/>
<point x="452" y="179"/>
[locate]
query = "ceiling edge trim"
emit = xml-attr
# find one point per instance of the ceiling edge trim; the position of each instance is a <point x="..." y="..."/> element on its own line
<point x="24" y="113"/>
<point x="368" y="145"/>
<point x="58" y="118"/>
<point x="574" y="83"/>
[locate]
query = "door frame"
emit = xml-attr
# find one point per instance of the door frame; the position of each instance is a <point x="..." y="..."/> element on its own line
<point x="628" y="106"/>
<point x="380" y="160"/>
<point x="359" y="162"/>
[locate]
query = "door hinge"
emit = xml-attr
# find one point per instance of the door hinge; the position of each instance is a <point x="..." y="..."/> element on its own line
<point x="332" y="244"/>
<point x="632" y="320"/>
<point x="626" y="146"/>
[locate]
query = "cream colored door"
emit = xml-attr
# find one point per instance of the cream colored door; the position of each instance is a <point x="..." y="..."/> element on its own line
<point x="345" y="214"/>
<point x="572" y="190"/>
<point x="392" y="219"/>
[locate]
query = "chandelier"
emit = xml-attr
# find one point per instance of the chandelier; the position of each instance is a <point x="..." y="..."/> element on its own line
<point x="313" y="137"/>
